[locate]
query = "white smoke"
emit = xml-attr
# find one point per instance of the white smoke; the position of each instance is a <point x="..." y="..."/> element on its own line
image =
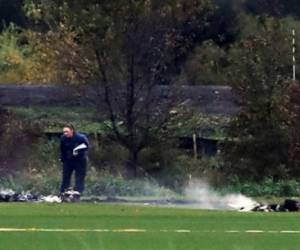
<point x="206" y="198"/>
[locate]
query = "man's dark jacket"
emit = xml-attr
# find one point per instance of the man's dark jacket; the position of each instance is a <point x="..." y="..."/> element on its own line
<point x="68" y="144"/>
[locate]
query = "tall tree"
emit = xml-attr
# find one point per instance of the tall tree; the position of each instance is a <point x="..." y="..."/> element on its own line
<point x="260" y="75"/>
<point x="126" y="48"/>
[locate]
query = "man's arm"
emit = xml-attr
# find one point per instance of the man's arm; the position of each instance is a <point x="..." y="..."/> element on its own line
<point x="84" y="140"/>
<point x="83" y="145"/>
<point x="62" y="150"/>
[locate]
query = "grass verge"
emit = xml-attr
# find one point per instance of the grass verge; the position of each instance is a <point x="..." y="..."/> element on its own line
<point x="197" y="229"/>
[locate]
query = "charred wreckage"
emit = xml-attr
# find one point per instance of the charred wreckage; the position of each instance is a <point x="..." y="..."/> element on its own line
<point x="289" y="205"/>
<point x="11" y="196"/>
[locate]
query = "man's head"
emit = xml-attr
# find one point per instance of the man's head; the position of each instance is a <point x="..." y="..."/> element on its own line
<point x="69" y="130"/>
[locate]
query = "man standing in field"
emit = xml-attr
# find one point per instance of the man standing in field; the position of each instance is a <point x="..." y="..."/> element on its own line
<point x="73" y="147"/>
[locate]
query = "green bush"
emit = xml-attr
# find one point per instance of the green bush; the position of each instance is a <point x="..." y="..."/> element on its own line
<point x="161" y="162"/>
<point x="40" y="169"/>
<point x="15" y="56"/>
<point x="107" y="156"/>
<point x="282" y="188"/>
<point x="108" y="185"/>
<point x="48" y="181"/>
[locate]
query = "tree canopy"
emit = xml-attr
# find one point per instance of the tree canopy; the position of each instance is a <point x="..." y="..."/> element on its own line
<point x="123" y="50"/>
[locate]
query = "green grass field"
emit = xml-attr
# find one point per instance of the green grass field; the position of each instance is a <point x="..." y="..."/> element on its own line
<point x="107" y="227"/>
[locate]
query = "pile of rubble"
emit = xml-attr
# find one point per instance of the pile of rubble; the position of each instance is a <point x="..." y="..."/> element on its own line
<point x="288" y="205"/>
<point x="9" y="195"/>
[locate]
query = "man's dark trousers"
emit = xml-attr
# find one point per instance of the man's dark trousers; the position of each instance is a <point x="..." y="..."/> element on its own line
<point x="77" y="165"/>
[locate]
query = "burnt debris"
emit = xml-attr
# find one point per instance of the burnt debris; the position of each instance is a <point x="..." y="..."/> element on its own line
<point x="288" y="205"/>
<point x="71" y="196"/>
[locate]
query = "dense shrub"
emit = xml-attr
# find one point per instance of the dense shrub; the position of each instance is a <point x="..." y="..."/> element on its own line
<point x="97" y="184"/>
<point x="108" y="185"/>
<point x="282" y="188"/>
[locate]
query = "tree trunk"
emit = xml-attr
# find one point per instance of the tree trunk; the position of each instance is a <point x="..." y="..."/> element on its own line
<point x="131" y="164"/>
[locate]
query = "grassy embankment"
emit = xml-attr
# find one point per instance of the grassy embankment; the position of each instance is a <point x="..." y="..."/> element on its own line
<point x="154" y="228"/>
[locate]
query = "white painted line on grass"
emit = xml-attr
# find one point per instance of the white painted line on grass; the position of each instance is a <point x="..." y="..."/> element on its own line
<point x="290" y="232"/>
<point x="182" y="231"/>
<point x="254" y="231"/>
<point x="136" y="230"/>
<point x="129" y="230"/>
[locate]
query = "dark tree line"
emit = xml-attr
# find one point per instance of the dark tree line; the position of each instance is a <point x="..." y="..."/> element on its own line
<point x="128" y="48"/>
